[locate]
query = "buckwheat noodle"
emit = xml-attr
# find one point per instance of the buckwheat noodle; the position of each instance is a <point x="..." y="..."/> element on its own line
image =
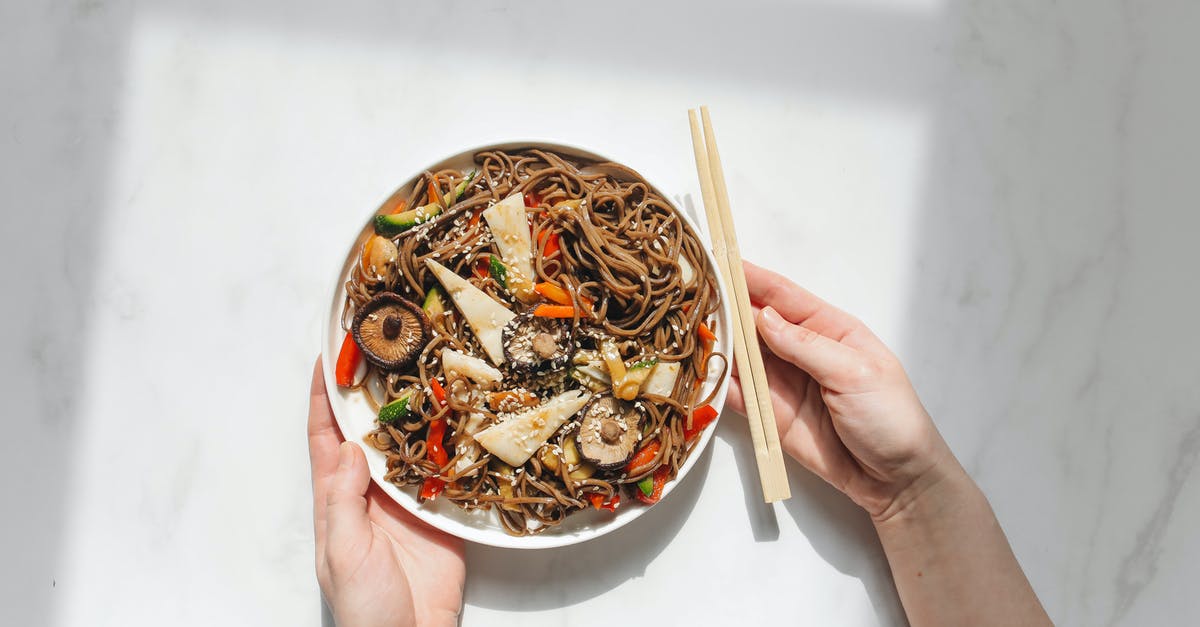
<point x="620" y="246"/>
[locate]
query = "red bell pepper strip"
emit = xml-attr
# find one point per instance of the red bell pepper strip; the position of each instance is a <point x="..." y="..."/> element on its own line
<point x="643" y="457"/>
<point x="433" y="444"/>
<point x="552" y="246"/>
<point x="432" y="488"/>
<point x="532" y="199"/>
<point x="660" y="480"/>
<point x="439" y="392"/>
<point x="610" y="504"/>
<point x="707" y="338"/>
<point x="434" y="450"/>
<point x="347" y="362"/>
<point x="482" y="268"/>
<point x="701" y="418"/>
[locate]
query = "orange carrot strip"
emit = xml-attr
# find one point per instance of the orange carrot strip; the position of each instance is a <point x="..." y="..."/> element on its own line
<point x="554" y="311"/>
<point x="553" y="293"/>
<point x="433" y="193"/>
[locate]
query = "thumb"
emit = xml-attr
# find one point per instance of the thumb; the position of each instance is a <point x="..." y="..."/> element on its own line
<point x="825" y="360"/>
<point x="345" y="498"/>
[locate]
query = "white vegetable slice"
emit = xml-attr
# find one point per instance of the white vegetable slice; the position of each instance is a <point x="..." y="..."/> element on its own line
<point x="687" y="275"/>
<point x="486" y="316"/>
<point x="473" y="368"/>
<point x="465" y="443"/>
<point x="510" y="228"/>
<point x="594" y="376"/>
<point x="662" y="379"/>
<point x="515" y="440"/>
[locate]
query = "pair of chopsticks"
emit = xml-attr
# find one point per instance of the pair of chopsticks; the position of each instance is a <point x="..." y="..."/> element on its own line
<point x="759" y="413"/>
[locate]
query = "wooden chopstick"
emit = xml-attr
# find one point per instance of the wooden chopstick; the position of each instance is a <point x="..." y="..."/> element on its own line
<point x="759" y="412"/>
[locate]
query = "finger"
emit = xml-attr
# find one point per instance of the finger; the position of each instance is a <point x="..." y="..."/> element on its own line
<point x="799" y="306"/>
<point x="833" y="365"/>
<point x="401" y="523"/>
<point x="734" y="399"/>
<point x="345" y="499"/>
<point x="807" y="434"/>
<point x="323" y="440"/>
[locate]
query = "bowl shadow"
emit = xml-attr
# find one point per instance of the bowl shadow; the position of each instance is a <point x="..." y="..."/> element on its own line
<point x="518" y="579"/>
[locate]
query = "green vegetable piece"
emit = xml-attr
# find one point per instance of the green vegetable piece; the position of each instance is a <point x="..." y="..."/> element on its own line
<point x="646" y="485"/>
<point x="434" y="306"/>
<point x="397" y="223"/>
<point x="498" y="271"/>
<point x="460" y="189"/>
<point x="397" y="409"/>
<point x="645" y="363"/>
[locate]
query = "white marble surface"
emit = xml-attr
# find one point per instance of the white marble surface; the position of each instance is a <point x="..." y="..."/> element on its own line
<point x="1005" y="190"/>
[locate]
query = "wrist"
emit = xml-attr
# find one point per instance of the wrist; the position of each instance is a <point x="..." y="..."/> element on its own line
<point x="942" y="486"/>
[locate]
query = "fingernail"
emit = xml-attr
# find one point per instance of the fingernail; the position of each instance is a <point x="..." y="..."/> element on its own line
<point x="345" y="455"/>
<point x="770" y="319"/>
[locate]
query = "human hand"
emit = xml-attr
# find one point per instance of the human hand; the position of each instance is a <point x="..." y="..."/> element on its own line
<point x="376" y="563"/>
<point x="843" y="405"/>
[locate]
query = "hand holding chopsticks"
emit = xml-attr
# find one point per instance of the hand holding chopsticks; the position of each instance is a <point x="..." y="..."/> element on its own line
<point x="747" y="355"/>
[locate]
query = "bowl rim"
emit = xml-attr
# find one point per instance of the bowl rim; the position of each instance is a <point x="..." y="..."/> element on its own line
<point x="497" y="537"/>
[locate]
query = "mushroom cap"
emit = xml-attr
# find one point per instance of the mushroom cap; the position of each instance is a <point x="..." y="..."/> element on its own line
<point x="533" y="344"/>
<point x="391" y="331"/>
<point x="609" y="431"/>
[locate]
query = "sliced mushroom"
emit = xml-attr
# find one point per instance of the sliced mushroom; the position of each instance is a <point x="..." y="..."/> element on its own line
<point x="609" y="431"/>
<point x="533" y="344"/>
<point x="391" y="331"/>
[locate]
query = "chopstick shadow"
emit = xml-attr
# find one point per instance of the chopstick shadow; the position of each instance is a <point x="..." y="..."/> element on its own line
<point x="515" y="579"/>
<point x="843" y="535"/>
<point x="838" y="530"/>
<point x="763" y="522"/>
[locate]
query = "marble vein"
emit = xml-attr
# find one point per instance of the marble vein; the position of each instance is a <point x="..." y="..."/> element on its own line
<point x="1139" y="568"/>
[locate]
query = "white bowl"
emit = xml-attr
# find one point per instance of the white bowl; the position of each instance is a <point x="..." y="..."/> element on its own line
<point x="356" y="419"/>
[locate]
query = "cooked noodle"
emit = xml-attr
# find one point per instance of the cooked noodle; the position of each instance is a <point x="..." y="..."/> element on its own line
<point x="618" y="258"/>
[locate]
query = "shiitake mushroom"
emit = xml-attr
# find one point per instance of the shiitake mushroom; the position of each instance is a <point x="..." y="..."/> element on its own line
<point x="609" y="431"/>
<point x="533" y="344"/>
<point x="391" y="331"/>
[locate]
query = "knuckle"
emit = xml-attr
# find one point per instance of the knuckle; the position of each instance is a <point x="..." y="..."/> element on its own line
<point x="862" y="374"/>
<point x="804" y="335"/>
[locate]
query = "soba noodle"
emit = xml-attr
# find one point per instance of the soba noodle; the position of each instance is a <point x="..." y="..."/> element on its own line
<point x="619" y="257"/>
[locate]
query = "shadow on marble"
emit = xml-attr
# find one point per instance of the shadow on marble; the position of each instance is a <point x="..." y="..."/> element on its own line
<point x="763" y="523"/>
<point x="842" y="534"/>
<point x="1050" y="332"/>
<point x="838" y="530"/>
<point x="517" y="580"/>
<point x="326" y="615"/>
<point x="55" y="154"/>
